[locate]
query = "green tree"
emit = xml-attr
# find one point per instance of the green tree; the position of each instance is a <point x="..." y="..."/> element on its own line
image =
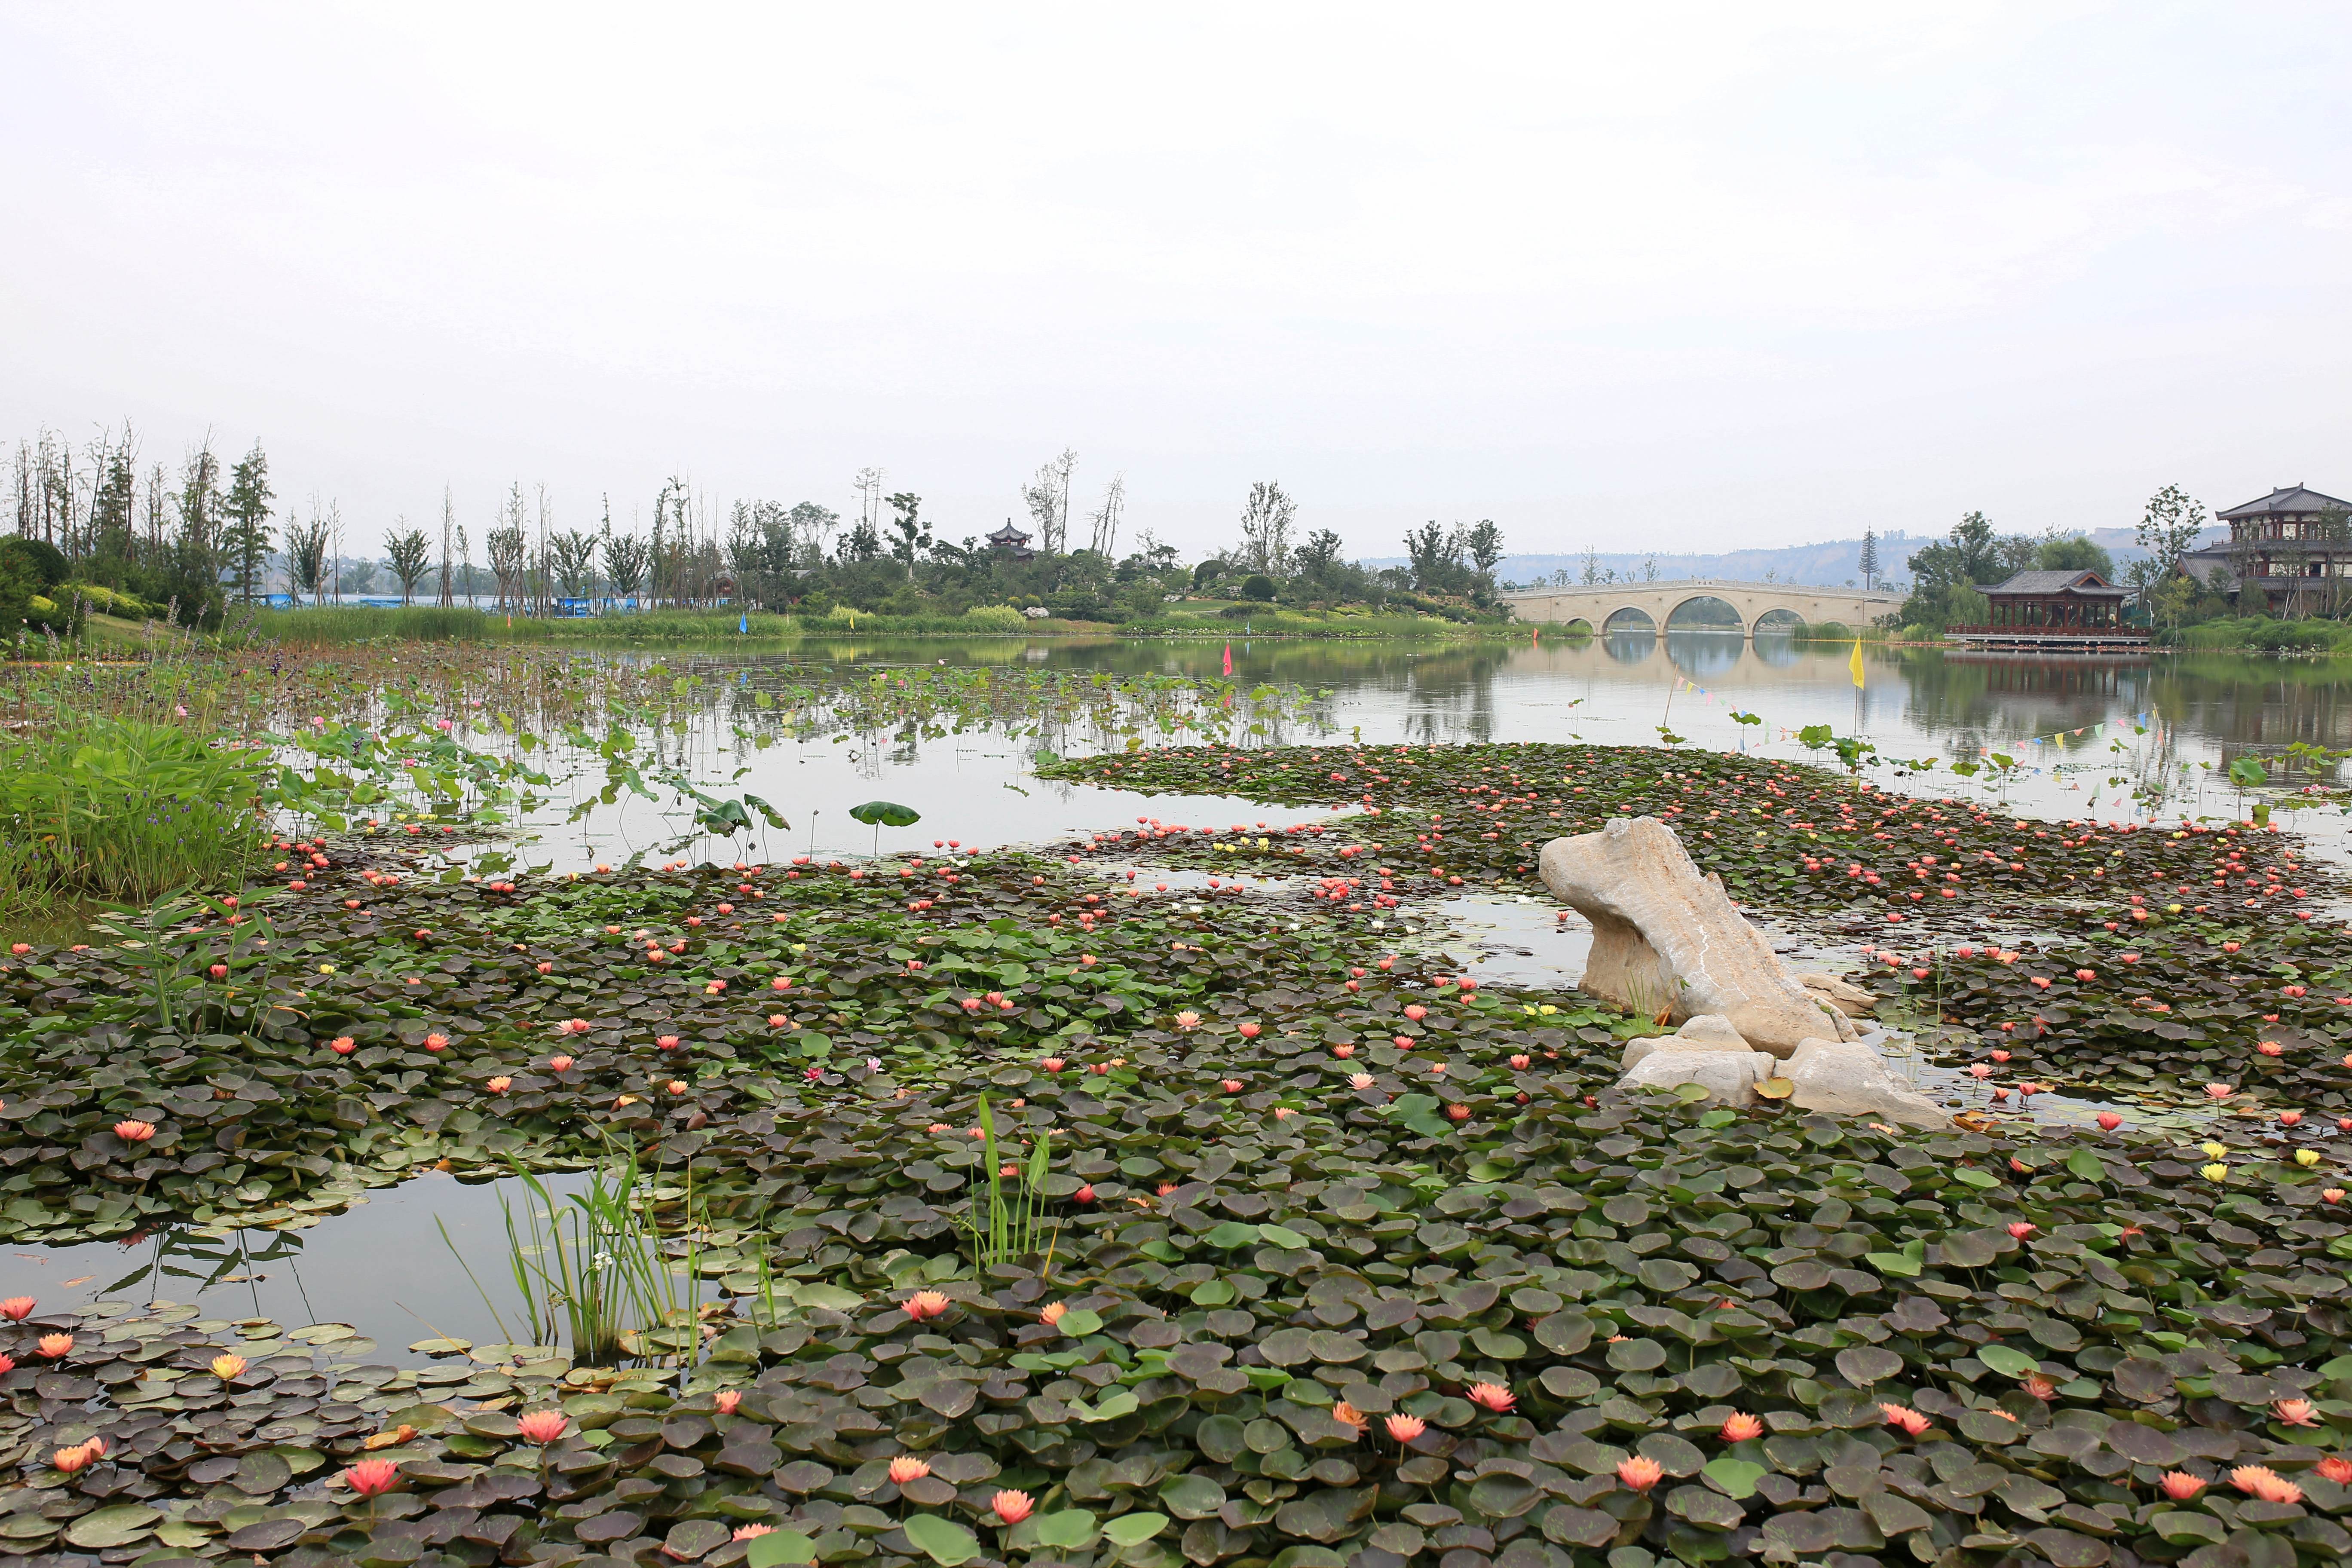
<point x="1430" y="553"/>
<point x="2079" y="553"/>
<point x="1266" y="519"/>
<point x="199" y="503"/>
<point x="1868" y="564"/>
<point x="1483" y="542"/>
<point x="624" y="563"/>
<point x="1944" y="575"/>
<point x="247" y="506"/>
<point x="2171" y="599"/>
<point x="1318" y="555"/>
<point x="306" y="556"/>
<point x="2170" y="526"/>
<point x="910" y="533"/>
<point x="18" y="583"/>
<point x="407" y="555"/>
<point x="110" y="507"/>
<point x="572" y="557"/>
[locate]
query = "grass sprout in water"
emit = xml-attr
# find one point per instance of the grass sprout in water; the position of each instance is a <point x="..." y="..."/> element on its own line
<point x="1008" y="1219"/>
<point x="596" y="1267"/>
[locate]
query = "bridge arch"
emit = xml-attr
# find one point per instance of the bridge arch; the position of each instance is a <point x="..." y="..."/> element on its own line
<point x="1713" y="613"/>
<point x="1779" y="619"/>
<point x="1605" y="606"/>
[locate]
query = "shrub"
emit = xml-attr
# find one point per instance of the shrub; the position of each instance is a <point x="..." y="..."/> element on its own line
<point x="108" y="601"/>
<point x="42" y="561"/>
<point x="996" y="617"/>
<point x="2288" y="637"/>
<point x="1259" y="586"/>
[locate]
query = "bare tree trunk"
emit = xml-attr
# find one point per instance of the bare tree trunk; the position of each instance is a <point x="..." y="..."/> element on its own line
<point x="1106" y="534"/>
<point x="449" y="521"/>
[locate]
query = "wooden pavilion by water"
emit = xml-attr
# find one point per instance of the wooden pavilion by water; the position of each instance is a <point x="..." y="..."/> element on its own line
<point x="2064" y="611"/>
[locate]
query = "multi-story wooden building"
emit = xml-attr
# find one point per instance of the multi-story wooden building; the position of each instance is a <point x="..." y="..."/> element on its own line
<point x="2290" y="549"/>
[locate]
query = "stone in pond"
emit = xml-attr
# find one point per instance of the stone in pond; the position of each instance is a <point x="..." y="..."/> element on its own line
<point x="1668" y="942"/>
<point x="1846" y="1077"/>
<point x="1729" y="1076"/>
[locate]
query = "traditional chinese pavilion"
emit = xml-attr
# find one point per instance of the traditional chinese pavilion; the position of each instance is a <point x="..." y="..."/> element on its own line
<point x="2289" y="549"/>
<point x="2076" y="610"/>
<point x="1012" y="542"/>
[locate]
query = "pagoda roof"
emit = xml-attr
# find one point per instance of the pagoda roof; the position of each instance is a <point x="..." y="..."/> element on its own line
<point x="2287" y="499"/>
<point x="2088" y="583"/>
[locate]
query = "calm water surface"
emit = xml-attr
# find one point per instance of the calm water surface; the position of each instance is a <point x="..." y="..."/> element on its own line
<point x="2111" y="740"/>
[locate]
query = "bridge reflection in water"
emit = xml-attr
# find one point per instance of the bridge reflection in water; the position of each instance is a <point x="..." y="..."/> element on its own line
<point x="1696" y="652"/>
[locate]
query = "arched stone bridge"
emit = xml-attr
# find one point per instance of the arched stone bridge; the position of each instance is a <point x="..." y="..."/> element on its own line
<point x="1607" y="606"/>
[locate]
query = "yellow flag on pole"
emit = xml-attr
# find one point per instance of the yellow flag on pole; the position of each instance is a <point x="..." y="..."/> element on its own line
<point x="1853" y="664"/>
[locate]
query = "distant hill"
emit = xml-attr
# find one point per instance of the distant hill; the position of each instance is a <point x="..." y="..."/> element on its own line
<point x="1834" y="563"/>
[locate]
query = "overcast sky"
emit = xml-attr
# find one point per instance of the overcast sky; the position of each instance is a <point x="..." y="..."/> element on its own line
<point x="1681" y="276"/>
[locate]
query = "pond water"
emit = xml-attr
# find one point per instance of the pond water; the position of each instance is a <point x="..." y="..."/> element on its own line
<point x="2110" y="740"/>
<point x="380" y="1266"/>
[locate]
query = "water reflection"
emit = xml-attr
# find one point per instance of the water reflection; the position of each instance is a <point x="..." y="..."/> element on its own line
<point x="1629" y="646"/>
<point x="382" y="1265"/>
<point x="1704" y="652"/>
<point x="1776" y="649"/>
<point x="2087" y="737"/>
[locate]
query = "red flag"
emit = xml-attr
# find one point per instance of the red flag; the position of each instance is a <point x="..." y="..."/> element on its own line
<point x="1229" y="660"/>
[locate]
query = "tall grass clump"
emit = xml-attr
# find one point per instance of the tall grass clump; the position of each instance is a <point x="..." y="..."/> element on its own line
<point x="594" y="1267"/>
<point x="341" y="623"/>
<point x="2261" y="634"/>
<point x="98" y="809"/>
<point x="1007" y="1222"/>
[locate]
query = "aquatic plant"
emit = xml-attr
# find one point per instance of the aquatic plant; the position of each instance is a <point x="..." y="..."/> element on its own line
<point x="100" y="809"/>
<point x="596" y="1267"/>
<point x="1184" y="1268"/>
<point x="1008" y="1220"/>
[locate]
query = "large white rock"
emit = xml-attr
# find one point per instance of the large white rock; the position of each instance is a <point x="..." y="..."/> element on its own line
<point x="1707" y="1032"/>
<point x="1844" y="996"/>
<point x="1846" y="1077"/>
<point x="1667" y="941"/>
<point x="1729" y="1077"/>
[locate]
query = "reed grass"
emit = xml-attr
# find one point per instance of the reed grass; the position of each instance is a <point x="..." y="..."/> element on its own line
<point x="594" y="1267"/>
<point x="103" y="810"/>
<point x="335" y="625"/>
<point x="1008" y="1220"/>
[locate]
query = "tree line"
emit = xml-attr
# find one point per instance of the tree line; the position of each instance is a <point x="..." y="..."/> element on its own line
<point x="193" y="538"/>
